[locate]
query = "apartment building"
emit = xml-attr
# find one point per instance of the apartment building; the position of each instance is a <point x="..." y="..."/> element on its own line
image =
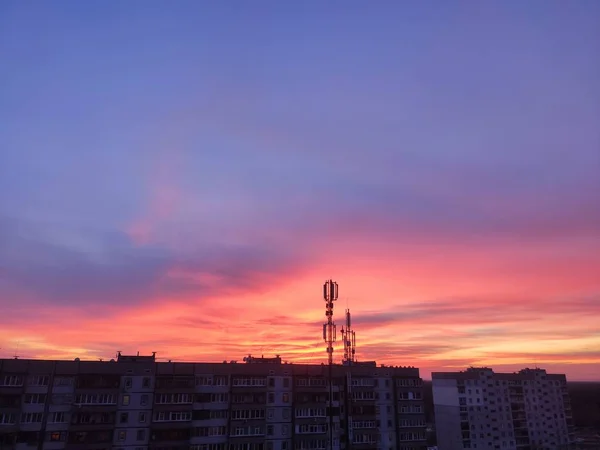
<point x="481" y="409"/>
<point x="137" y="403"/>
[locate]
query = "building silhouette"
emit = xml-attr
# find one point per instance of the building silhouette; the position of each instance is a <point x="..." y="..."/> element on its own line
<point x="138" y="403"/>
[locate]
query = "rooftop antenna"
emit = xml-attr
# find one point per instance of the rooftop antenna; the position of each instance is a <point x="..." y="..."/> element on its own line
<point x="349" y="338"/>
<point x="17" y="350"/>
<point x="330" y="295"/>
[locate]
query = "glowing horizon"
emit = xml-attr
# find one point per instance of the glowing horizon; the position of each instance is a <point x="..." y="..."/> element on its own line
<point x="183" y="180"/>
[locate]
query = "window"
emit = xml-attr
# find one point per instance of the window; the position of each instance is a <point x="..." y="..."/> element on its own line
<point x="286" y="397"/>
<point x="363" y="395"/>
<point x="128" y="382"/>
<point x="122" y="435"/>
<point x="271" y="397"/>
<point x="57" y="417"/>
<point x="165" y="416"/>
<point x="175" y="398"/>
<point x="63" y="381"/>
<point x="124" y="418"/>
<point x="126" y="399"/>
<point x="247" y="431"/>
<point x="286" y="413"/>
<point x="284" y="445"/>
<point x="368" y="382"/>
<point x="146" y="382"/>
<point x="270" y="413"/>
<point x="286" y="382"/>
<point x="245" y="414"/>
<point x="314" y="382"/>
<point x="269" y="430"/>
<point x="209" y="431"/>
<point x="310" y="412"/>
<point x="220" y="380"/>
<point x="57" y="436"/>
<point x="358" y="424"/>
<point x="219" y="414"/>
<point x="7" y="419"/>
<point x="95" y="399"/>
<point x="35" y="398"/>
<point x="11" y="380"/>
<point x="144" y="400"/>
<point x="271" y="382"/>
<point x="312" y="428"/>
<point x="31" y="417"/>
<point x="39" y="380"/>
<point x="250" y="381"/>
<point x="142" y="417"/>
<point x="141" y="435"/>
<point x="284" y="430"/>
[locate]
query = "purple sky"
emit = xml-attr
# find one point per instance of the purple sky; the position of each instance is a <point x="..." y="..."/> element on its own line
<point x="240" y="141"/>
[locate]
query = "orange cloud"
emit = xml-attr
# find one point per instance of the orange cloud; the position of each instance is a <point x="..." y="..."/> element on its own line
<point x="438" y="304"/>
<point x="397" y="322"/>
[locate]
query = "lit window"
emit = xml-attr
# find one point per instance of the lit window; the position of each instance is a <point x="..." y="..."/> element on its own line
<point x="126" y="399"/>
<point x="122" y="435"/>
<point x="55" y="436"/>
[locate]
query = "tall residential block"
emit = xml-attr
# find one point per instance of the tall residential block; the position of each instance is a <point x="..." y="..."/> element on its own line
<point x="137" y="403"/>
<point x="477" y="408"/>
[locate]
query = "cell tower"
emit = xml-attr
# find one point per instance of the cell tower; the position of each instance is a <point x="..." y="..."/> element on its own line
<point x="330" y="295"/>
<point x="349" y="338"/>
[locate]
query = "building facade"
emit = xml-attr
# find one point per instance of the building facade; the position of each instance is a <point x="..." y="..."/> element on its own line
<point x="137" y="403"/>
<point x="528" y="410"/>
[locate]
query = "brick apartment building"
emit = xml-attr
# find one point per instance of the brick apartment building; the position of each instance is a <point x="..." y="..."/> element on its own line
<point x="137" y="403"/>
<point x="477" y="408"/>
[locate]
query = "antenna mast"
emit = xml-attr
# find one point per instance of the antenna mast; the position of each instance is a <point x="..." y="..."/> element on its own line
<point x="330" y="295"/>
<point x="349" y="338"/>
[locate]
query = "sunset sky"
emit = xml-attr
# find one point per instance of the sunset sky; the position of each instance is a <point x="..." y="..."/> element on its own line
<point x="182" y="177"/>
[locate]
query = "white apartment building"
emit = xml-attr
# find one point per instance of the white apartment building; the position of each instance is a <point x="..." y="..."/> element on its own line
<point x="481" y="409"/>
